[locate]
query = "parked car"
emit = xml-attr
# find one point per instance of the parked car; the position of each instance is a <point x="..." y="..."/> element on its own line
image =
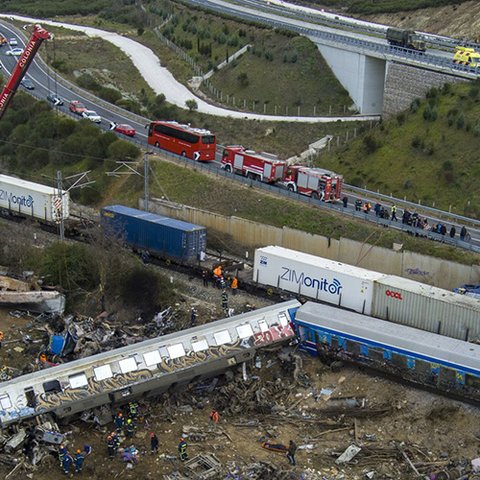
<point x="77" y="107"/>
<point x="27" y="83"/>
<point x="13" y="42"/>
<point x="16" y="52"/>
<point x="123" y="128"/>
<point x="92" y="116"/>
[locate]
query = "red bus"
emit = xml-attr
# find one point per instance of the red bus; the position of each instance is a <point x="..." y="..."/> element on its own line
<point x="193" y="143"/>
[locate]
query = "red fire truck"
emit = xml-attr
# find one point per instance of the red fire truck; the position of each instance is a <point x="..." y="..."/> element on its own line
<point x="314" y="182"/>
<point x="264" y="167"/>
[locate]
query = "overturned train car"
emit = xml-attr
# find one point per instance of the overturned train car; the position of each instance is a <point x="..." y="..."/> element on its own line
<point x="428" y="359"/>
<point x="146" y="368"/>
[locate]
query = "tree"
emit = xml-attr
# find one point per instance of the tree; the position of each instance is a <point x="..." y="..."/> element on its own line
<point x="191" y="104"/>
<point x="243" y="79"/>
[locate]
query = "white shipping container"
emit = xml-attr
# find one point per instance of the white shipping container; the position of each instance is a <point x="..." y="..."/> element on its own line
<point x="33" y="199"/>
<point x="429" y="308"/>
<point x="316" y="277"/>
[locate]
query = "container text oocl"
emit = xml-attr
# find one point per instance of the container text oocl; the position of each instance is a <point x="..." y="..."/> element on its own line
<point x="391" y="293"/>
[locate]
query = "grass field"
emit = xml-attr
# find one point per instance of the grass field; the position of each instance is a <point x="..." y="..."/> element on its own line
<point x="75" y="54"/>
<point x="215" y="194"/>
<point x="379" y="6"/>
<point x="433" y="159"/>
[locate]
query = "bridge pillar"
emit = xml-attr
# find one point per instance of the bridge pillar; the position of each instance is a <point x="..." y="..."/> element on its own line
<point x="362" y="76"/>
<point x="404" y="83"/>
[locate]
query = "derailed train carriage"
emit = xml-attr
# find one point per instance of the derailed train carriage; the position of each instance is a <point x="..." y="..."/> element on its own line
<point x="146" y="368"/>
<point x="428" y="359"/>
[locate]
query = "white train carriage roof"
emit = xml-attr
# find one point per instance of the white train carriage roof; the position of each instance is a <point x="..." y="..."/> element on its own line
<point x="31" y="186"/>
<point x="429" y="346"/>
<point x="149" y="354"/>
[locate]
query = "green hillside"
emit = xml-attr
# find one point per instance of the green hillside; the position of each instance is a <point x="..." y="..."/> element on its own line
<point x="379" y="6"/>
<point x="429" y="154"/>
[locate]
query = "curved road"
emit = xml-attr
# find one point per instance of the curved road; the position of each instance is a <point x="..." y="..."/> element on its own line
<point x="162" y="81"/>
<point x="44" y="84"/>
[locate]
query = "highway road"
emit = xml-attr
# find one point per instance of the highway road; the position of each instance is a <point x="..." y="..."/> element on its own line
<point x="44" y="83"/>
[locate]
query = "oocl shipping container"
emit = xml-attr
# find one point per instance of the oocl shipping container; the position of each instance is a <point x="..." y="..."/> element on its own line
<point x="31" y="199"/>
<point x="316" y="277"/>
<point x="161" y="236"/>
<point x="422" y="306"/>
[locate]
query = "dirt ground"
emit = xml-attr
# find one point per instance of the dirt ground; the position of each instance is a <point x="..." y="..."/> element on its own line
<point x="430" y="428"/>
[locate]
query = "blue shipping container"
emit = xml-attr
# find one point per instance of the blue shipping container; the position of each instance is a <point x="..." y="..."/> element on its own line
<point x="161" y="236"/>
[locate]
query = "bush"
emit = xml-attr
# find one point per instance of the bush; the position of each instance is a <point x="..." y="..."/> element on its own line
<point x="415" y="105"/>
<point x="122" y="150"/>
<point x="417" y="143"/>
<point x="243" y="79"/>
<point x="371" y="143"/>
<point x="87" y="81"/>
<point x="111" y="95"/>
<point x="70" y="266"/>
<point x="460" y="121"/>
<point x="191" y="104"/>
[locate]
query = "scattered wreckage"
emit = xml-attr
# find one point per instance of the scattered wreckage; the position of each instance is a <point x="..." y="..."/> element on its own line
<point x="30" y="295"/>
<point x="146" y="368"/>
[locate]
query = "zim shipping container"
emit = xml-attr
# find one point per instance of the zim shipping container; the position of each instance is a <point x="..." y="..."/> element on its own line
<point x="422" y="306"/>
<point x="33" y="199"/>
<point x="161" y="236"/>
<point x="316" y="277"/>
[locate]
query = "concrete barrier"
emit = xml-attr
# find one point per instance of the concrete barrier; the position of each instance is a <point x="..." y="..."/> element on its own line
<point x="422" y="268"/>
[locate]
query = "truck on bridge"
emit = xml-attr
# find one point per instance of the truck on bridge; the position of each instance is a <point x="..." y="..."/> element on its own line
<point x="406" y="39"/>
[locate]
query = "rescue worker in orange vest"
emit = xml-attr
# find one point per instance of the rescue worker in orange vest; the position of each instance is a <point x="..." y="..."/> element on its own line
<point x="1" y="338"/>
<point x="217" y="275"/>
<point x="234" y="285"/>
<point x="214" y="418"/>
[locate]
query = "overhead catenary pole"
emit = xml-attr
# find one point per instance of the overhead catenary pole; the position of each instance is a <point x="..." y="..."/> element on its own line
<point x="60" y="195"/>
<point x="145" y="181"/>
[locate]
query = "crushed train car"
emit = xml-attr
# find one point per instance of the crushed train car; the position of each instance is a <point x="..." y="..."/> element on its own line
<point x="146" y="368"/>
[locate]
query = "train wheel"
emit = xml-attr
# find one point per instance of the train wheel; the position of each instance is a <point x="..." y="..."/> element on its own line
<point x="157" y="144"/>
<point x="228" y="168"/>
<point x="184" y="154"/>
<point x="290" y="188"/>
<point x="315" y="196"/>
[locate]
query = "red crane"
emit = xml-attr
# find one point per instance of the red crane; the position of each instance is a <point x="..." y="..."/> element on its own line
<point x="26" y="58"/>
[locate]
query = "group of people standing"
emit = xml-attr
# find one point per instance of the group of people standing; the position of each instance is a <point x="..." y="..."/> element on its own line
<point x="408" y="218"/>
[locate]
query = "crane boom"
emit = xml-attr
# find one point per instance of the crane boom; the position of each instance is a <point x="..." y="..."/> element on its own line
<point x="38" y="36"/>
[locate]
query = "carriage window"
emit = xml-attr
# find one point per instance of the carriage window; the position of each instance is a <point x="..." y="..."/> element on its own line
<point x="176" y="351"/>
<point x="200" y="346"/>
<point x="222" y="337"/>
<point x="263" y="326"/>
<point x="102" y="373"/>
<point x="78" y="381"/>
<point x="283" y="319"/>
<point x="127" y="365"/>
<point x="5" y="402"/>
<point x="152" y="358"/>
<point x="53" y="386"/>
<point x="244" y="331"/>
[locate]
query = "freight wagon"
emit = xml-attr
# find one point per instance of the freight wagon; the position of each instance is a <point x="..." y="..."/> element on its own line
<point x="33" y="200"/>
<point x="424" y="358"/>
<point x="315" y="277"/>
<point x="160" y="236"/>
<point x="387" y="297"/>
<point x="146" y="368"/>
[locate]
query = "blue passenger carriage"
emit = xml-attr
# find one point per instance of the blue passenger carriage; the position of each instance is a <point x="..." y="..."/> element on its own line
<point x="421" y="357"/>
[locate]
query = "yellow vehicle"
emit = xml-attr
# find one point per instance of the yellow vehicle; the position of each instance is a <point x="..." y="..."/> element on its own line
<point x="3" y="40"/>
<point x="466" y="56"/>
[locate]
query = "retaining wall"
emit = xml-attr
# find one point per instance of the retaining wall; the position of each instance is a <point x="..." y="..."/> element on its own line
<point x="422" y="268"/>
